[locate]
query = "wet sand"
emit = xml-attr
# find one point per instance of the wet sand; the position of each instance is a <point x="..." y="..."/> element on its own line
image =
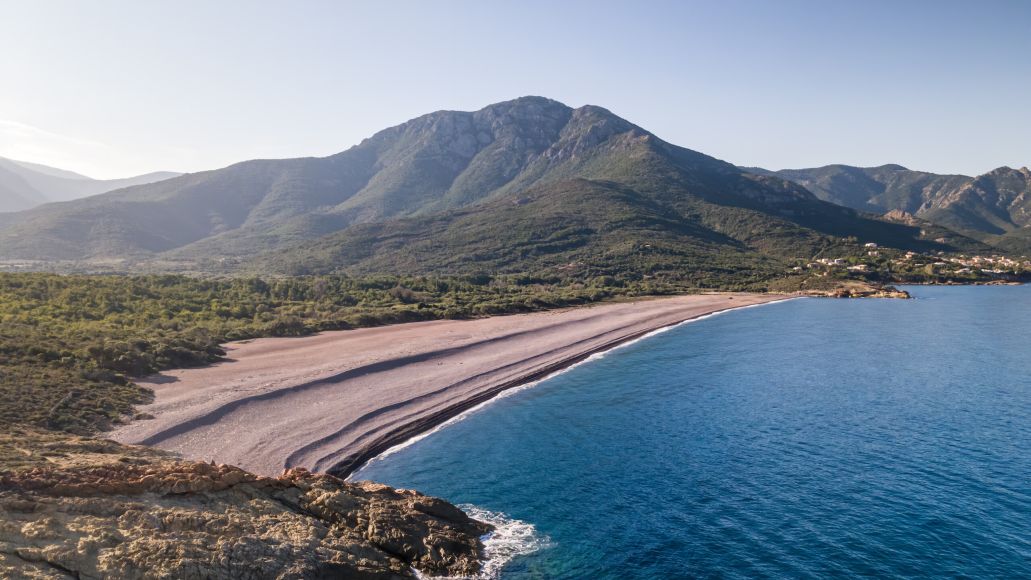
<point x="331" y="401"/>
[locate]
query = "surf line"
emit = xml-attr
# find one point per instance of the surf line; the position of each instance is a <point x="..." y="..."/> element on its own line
<point x="533" y="383"/>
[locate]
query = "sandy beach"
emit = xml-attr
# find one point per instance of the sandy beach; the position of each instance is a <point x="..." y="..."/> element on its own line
<point x="331" y="401"/>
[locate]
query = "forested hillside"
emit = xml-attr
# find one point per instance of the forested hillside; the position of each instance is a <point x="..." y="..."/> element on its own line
<point x="526" y="184"/>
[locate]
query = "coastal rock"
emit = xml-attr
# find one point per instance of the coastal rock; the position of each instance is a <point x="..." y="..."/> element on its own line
<point x="855" y="289"/>
<point x="84" y="508"/>
<point x="886" y="292"/>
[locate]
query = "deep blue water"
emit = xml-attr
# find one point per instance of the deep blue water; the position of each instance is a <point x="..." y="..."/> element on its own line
<point x="811" y="438"/>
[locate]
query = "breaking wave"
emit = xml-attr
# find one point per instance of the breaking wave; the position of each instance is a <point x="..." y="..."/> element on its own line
<point x="510" y="539"/>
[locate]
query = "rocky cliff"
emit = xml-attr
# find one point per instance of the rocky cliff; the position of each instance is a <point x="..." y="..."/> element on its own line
<point x="85" y="508"/>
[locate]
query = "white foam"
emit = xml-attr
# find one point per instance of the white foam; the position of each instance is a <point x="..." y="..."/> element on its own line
<point x="514" y="390"/>
<point x="511" y="538"/>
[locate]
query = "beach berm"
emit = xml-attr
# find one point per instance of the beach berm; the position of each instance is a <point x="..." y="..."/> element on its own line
<point x="332" y="401"/>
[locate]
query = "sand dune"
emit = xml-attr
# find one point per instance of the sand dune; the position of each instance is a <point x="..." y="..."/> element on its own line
<point x="331" y="401"/>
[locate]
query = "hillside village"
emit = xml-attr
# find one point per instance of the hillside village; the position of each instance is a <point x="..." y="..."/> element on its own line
<point x="885" y="264"/>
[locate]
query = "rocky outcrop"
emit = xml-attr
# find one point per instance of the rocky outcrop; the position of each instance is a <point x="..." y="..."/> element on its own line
<point x="885" y="292"/>
<point x="855" y="289"/>
<point x="902" y="217"/>
<point x="828" y="287"/>
<point x="85" y="508"/>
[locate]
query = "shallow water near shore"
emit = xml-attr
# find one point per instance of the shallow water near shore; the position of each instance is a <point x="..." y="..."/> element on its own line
<point x="808" y="438"/>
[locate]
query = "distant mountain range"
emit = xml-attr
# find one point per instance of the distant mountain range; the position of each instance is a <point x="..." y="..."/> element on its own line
<point x="528" y="185"/>
<point x="994" y="207"/>
<point x="25" y="185"/>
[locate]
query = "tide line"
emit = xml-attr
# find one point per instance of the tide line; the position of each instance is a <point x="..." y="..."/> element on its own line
<point x="515" y="390"/>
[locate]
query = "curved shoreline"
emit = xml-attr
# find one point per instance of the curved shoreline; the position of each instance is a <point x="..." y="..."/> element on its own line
<point x="535" y="381"/>
<point x="406" y="433"/>
<point x="334" y="401"/>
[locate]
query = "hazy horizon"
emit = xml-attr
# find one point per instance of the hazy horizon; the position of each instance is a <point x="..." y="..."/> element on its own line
<point x="117" y="88"/>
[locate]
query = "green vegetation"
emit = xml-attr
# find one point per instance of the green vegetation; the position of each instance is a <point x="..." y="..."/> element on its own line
<point x="882" y="266"/>
<point x="524" y="185"/>
<point x="70" y="345"/>
<point x="993" y="208"/>
<point x="573" y="230"/>
<point x="522" y="205"/>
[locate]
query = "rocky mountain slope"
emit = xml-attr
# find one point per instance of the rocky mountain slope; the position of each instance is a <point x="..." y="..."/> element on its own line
<point x="997" y="202"/>
<point x="84" y="508"/>
<point x="26" y="185"/>
<point x="519" y="184"/>
<point x="994" y="207"/>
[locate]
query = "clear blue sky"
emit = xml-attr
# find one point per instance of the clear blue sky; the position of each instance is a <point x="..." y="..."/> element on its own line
<point x="112" y="88"/>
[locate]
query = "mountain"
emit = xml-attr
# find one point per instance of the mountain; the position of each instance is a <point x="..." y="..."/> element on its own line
<point x="15" y="193"/>
<point x="994" y="207"/>
<point x="997" y="202"/>
<point x="521" y="185"/>
<point x="50" y="171"/>
<point x="874" y="189"/>
<point x="561" y="227"/>
<point x="25" y="185"/>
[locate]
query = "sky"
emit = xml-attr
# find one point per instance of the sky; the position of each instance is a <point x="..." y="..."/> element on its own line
<point x="114" y="88"/>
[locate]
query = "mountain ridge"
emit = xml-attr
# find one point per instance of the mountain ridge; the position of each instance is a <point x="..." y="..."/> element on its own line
<point x="993" y="207"/>
<point x="597" y="183"/>
<point x="24" y="185"/>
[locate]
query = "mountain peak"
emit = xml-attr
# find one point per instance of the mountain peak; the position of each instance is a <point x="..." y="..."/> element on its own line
<point x="526" y="106"/>
<point x="1006" y="170"/>
<point x="595" y="110"/>
<point x="530" y="100"/>
<point x="433" y="169"/>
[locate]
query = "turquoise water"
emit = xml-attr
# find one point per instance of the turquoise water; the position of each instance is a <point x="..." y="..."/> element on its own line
<point x="809" y="438"/>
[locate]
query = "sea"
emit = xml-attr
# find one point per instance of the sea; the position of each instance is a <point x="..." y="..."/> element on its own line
<point x="810" y="438"/>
